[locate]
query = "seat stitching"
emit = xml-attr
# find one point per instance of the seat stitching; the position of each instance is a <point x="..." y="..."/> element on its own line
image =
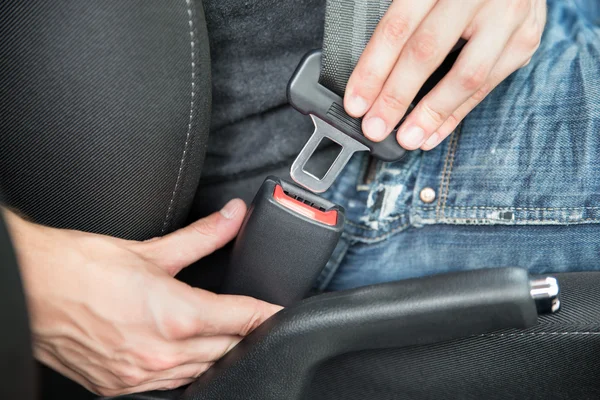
<point x="189" y="128"/>
<point x="537" y="333"/>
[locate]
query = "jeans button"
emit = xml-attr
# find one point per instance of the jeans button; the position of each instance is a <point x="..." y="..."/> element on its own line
<point x="427" y="195"/>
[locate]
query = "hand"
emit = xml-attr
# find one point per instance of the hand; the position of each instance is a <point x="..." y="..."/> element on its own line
<point x="411" y="41"/>
<point x="108" y="313"/>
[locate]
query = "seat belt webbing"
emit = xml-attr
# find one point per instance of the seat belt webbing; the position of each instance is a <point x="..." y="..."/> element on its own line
<point x="349" y="24"/>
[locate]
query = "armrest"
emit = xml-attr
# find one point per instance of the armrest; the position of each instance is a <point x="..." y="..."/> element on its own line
<point x="277" y="360"/>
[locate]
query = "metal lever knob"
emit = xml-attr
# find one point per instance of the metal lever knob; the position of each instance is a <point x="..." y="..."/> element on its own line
<point x="545" y="293"/>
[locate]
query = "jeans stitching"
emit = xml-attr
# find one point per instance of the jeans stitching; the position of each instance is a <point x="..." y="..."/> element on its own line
<point x="489" y="221"/>
<point x="486" y="221"/>
<point x="442" y="179"/>
<point x="365" y="239"/>
<point x="189" y="129"/>
<point x="499" y="208"/>
<point x="454" y="146"/>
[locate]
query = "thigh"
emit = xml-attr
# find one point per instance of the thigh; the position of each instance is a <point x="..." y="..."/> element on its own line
<point x="517" y="183"/>
<point x="434" y="249"/>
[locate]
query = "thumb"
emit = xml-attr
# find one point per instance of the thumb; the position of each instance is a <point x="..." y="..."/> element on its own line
<point x="181" y="248"/>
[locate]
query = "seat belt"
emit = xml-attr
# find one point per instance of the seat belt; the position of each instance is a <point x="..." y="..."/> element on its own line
<point x="318" y="85"/>
<point x="289" y="233"/>
<point x="349" y="25"/>
<point x="317" y="89"/>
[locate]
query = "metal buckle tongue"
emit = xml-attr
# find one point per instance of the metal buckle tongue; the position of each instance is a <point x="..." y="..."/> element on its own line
<point x="323" y="130"/>
<point x="326" y="109"/>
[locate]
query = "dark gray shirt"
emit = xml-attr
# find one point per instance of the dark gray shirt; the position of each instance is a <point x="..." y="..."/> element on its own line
<point x="255" y="47"/>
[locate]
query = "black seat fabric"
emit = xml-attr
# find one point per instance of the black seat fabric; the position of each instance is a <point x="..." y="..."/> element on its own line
<point x="104" y="112"/>
<point x="557" y="359"/>
<point x="104" y="118"/>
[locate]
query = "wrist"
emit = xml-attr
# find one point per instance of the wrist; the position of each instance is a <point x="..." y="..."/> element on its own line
<point x="20" y="229"/>
<point x="24" y="236"/>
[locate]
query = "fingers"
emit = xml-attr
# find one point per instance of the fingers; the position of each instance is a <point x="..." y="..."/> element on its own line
<point x="502" y="70"/>
<point x="468" y="78"/>
<point x="181" y="248"/>
<point x="420" y="57"/>
<point x="195" y="350"/>
<point x="381" y="53"/>
<point x="229" y="315"/>
<point x="515" y="55"/>
<point x="147" y="387"/>
<point x="411" y="41"/>
<point x="198" y="312"/>
<point x="184" y="371"/>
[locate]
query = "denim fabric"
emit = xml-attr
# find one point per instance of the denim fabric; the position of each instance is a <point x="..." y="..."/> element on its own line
<point x="516" y="184"/>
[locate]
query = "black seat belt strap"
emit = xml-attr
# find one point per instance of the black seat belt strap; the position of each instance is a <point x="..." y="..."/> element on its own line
<point x="349" y="24"/>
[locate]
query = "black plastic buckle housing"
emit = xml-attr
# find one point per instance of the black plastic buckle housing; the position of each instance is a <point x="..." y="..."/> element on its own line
<point x="308" y="96"/>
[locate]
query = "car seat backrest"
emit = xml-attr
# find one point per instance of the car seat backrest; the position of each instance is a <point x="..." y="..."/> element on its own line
<point x="104" y="113"/>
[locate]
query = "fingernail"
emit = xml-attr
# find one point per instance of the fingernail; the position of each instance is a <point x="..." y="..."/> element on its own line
<point x="374" y="128"/>
<point x="411" y="137"/>
<point x="431" y="142"/>
<point x="356" y="105"/>
<point x="231" y="209"/>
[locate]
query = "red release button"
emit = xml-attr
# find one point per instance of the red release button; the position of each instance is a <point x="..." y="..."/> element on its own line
<point x="326" y="217"/>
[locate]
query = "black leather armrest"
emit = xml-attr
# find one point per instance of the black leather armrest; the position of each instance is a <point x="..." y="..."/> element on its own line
<point x="278" y="359"/>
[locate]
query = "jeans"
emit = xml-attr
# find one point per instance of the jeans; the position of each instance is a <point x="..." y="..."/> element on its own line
<point x="516" y="184"/>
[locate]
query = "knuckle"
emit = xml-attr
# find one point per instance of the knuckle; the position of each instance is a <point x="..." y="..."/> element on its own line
<point x="369" y="78"/>
<point x="393" y="101"/>
<point x="472" y="78"/>
<point x="395" y="30"/>
<point x="453" y="121"/>
<point x="482" y="92"/>
<point x="424" y="47"/>
<point x="253" y="322"/>
<point x="205" y="227"/>
<point x="158" y="361"/>
<point x="178" y="328"/>
<point x="131" y="376"/>
<point x="518" y="6"/>
<point x="438" y="117"/>
<point x="531" y="38"/>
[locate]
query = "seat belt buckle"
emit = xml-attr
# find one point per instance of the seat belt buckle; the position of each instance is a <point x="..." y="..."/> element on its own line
<point x="285" y="241"/>
<point x="326" y="108"/>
